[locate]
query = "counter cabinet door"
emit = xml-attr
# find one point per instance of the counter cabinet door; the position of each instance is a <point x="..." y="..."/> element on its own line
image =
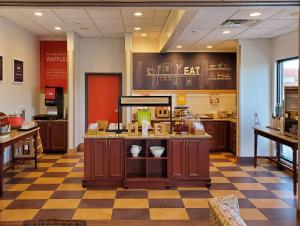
<point x="45" y="134"/>
<point x="197" y="158"/>
<point x="177" y="158"/>
<point x="59" y="135"/>
<point x="233" y="137"/>
<point x="99" y="159"/>
<point x="221" y="135"/>
<point x="116" y="158"/>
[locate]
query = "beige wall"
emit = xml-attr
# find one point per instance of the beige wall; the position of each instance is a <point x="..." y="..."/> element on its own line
<point x="16" y="43"/>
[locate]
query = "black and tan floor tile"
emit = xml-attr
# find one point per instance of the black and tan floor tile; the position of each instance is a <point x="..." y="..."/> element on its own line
<point x="54" y="190"/>
<point x="55" y="214"/>
<point x="164" y="194"/>
<point x="18" y="214"/>
<point x="131" y="204"/>
<point x="168" y="214"/>
<point x="166" y="203"/>
<point x="33" y="195"/>
<point x="93" y="213"/>
<point x="99" y="194"/>
<point x="61" y="204"/>
<point x="131" y="214"/>
<point x="195" y="203"/>
<point x="127" y="194"/>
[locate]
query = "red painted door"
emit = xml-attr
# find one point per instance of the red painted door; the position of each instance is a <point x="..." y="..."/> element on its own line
<point x="103" y="93"/>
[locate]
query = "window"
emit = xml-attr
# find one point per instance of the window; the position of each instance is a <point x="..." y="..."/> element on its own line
<point x="287" y="75"/>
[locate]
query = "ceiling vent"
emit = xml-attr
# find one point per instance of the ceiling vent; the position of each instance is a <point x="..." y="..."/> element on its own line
<point x="239" y="23"/>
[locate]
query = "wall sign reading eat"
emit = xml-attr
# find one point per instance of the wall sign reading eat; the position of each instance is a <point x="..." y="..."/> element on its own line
<point x="184" y="71"/>
<point x="53" y="60"/>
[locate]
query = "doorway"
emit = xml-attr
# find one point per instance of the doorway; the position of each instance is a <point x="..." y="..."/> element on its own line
<point x="101" y="97"/>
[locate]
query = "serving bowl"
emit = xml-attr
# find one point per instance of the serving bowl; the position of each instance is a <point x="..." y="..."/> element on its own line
<point x="157" y="151"/>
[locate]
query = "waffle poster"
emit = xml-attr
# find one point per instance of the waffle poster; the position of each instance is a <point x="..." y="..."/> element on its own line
<point x="184" y="71"/>
<point x="53" y="61"/>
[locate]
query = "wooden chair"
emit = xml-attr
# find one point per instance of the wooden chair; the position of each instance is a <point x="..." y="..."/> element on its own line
<point x="24" y="150"/>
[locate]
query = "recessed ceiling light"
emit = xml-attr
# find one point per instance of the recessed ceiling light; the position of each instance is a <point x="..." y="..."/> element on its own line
<point x="209" y="47"/>
<point x="255" y="14"/>
<point x="144" y="34"/>
<point x="179" y="46"/>
<point x="38" y="14"/>
<point x="57" y="28"/>
<point x="137" y="28"/>
<point x="226" y="32"/>
<point x="138" y="14"/>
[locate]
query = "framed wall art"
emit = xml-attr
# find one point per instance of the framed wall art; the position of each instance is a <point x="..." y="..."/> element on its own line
<point x="18" y="71"/>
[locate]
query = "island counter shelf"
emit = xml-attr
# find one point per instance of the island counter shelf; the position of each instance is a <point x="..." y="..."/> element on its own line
<point x="109" y="162"/>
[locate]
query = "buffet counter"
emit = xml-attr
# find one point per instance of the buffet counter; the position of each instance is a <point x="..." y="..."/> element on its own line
<point x="109" y="160"/>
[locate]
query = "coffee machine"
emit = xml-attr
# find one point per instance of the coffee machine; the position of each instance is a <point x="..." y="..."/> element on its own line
<point x="54" y="101"/>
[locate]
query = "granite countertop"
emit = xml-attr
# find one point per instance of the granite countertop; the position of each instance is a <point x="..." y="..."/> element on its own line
<point x="220" y="119"/>
<point x="150" y="136"/>
<point x="51" y="120"/>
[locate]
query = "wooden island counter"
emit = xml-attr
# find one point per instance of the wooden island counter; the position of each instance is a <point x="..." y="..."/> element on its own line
<point x="108" y="161"/>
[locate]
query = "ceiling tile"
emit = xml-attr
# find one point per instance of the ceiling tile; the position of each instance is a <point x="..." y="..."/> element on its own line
<point x="161" y="13"/>
<point x="108" y="22"/>
<point x="205" y="24"/>
<point x="70" y="13"/>
<point x="190" y="37"/>
<point x="265" y="13"/>
<point x="221" y="13"/>
<point x="287" y="14"/>
<point x="145" y="28"/>
<point x="276" y="24"/>
<point x="129" y="13"/>
<point x="104" y="13"/>
<point x="107" y="29"/>
<point x="137" y="22"/>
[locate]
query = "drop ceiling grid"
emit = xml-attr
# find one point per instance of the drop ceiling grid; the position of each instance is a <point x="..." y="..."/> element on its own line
<point x="226" y="14"/>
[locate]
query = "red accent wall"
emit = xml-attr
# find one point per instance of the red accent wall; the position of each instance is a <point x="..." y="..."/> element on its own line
<point x="103" y="95"/>
<point x="53" y="64"/>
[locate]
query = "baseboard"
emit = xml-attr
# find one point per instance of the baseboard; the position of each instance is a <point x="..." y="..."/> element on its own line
<point x="244" y="160"/>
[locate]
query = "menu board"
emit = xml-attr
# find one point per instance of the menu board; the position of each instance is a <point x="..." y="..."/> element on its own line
<point x="184" y="71"/>
<point x="18" y="71"/>
<point x="53" y="64"/>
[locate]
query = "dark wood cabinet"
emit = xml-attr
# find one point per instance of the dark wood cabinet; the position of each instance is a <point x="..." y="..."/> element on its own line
<point x="189" y="159"/>
<point x="116" y="158"/>
<point x="54" y="135"/>
<point x="177" y="158"/>
<point x="45" y="133"/>
<point x="232" y="138"/>
<point x="59" y="135"/>
<point x="104" y="161"/>
<point x="100" y="159"/>
<point x="221" y="135"/>
<point x="197" y="158"/>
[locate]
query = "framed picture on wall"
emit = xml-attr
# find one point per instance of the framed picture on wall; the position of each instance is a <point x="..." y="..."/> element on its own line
<point x="18" y="71"/>
<point x="1" y="68"/>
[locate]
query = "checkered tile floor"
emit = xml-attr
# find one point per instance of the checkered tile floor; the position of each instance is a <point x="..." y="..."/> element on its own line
<point x="54" y="191"/>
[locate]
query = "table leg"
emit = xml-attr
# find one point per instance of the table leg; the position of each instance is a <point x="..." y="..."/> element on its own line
<point x="295" y="172"/>
<point x="1" y="169"/>
<point x="255" y="149"/>
<point x="35" y="148"/>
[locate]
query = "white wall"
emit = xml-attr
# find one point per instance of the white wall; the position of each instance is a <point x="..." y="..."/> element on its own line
<point x="285" y="46"/>
<point x="255" y="88"/>
<point x="19" y="44"/>
<point x="95" y="55"/>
